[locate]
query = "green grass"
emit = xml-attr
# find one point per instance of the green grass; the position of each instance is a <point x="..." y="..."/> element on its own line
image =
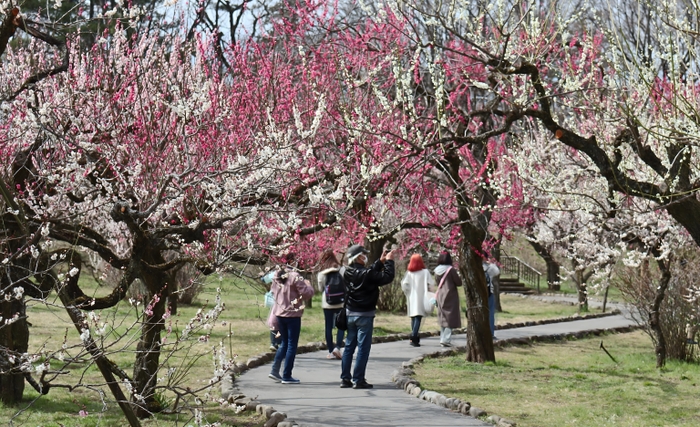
<point x="241" y="328"/>
<point x="574" y="383"/>
<point x="517" y="309"/>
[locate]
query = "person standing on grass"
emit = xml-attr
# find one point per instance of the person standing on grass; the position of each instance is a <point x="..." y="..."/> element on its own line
<point x="447" y="296"/>
<point x="331" y="299"/>
<point x="362" y="285"/>
<point x="415" y="285"/>
<point x="290" y="290"/>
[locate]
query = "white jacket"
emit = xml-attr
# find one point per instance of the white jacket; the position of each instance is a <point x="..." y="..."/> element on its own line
<point x="415" y="285"/>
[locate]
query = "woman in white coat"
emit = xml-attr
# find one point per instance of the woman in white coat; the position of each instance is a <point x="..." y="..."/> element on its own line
<point x="415" y="285"/>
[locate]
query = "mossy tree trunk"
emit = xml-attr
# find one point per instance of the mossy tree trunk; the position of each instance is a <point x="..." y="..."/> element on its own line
<point x="14" y="341"/>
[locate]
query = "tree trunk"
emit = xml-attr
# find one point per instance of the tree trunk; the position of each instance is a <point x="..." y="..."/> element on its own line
<point x="553" y="268"/>
<point x="105" y="366"/>
<point x="580" y="278"/>
<point x="473" y="229"/>
<point x="375" y="248"/>
<point x="655" y="315"/>
<point x="553" y="274"/>
<point x="148" y="352"/>
<point x="605" y="297"/>
<point x="14" y="341"/>
<point x="582" y="292"/>
<point x="479" y="339"/>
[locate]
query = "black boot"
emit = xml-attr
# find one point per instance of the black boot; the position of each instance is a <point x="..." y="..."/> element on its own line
<point x="415" y="340"/>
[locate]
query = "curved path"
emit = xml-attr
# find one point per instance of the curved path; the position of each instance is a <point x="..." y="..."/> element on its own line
<point x="319" y="401"/>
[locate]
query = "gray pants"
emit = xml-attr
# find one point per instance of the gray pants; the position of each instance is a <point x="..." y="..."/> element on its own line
<point x="445" y="335"/>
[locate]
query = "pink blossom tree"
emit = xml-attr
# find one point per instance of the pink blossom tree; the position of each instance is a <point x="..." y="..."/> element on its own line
<point x="423" y="153"/>
<point x="140" y="148"/>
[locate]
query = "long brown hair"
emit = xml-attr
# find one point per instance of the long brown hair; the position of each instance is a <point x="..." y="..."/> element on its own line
<point x="328" y="260"/>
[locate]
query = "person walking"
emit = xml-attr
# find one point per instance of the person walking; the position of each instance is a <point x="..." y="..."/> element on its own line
<point x="447" y="296"/>
<point x="332" y="288"/>
<point x="415" y="285"/>
<point x="362" y="285"/>
<point x="289" y="290"/>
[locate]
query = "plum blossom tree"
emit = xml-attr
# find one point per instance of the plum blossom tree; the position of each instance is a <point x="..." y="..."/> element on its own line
<point x="138" y="149"/>
<point x="425" y="152"/>
<point x="633" y="119"/>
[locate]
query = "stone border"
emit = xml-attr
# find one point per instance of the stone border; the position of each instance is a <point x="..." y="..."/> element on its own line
<point x="273" y="417"/>
<point x="311" y="347"/>
<point x="279" y="419"/>
<point x="403" y="377"/>
<point x="571" y="318"/>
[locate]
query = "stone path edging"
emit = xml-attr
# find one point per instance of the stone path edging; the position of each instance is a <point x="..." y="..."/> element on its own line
<point x="403" y="377"/>
<point x="279" y="419"/>
<point x="269" y="356"/>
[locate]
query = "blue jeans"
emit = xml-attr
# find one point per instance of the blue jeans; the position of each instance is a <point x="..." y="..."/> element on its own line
<point x="329" y="314"/>
<point x="289" y="329"/>
<point x="415" y="325"/>
<point x="359" y="335"/>
<point x="492" y="314"/>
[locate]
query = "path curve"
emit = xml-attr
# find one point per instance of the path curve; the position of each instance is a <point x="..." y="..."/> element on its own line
<point x="319" y="401"/>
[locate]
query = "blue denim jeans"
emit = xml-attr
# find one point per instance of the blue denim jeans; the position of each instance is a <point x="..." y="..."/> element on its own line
<point x="492" y="314"/>
<point x="289" y="329"/>
<point x="415" y="325"/>
<point x="329" y="314"/>
<point x="359" y="335"/>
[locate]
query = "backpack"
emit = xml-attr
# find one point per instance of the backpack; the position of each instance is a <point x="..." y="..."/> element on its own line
<point x="335" y="288"/>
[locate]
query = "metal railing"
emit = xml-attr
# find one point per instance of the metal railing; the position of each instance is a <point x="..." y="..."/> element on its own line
<point x="514" y="267"/>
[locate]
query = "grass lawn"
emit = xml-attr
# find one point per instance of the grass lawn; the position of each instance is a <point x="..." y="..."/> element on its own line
<point x="241" y="328"/>
<point x="574" y="383"/>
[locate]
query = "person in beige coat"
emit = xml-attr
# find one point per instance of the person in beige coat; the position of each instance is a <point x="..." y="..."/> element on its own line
<point x="447" y="296"/>
<point x="415" y="285"/>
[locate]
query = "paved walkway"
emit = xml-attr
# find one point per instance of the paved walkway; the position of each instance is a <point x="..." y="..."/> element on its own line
<point x="319" y="401"/>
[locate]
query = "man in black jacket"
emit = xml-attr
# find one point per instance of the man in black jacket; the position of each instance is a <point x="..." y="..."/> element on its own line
<point x="362" y="285"/>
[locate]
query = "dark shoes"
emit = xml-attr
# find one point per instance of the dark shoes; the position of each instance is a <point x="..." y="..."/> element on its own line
<point x="415" y="341"/>
<point x="362" y="385"/>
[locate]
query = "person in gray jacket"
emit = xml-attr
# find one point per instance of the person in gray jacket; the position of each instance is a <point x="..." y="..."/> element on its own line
<point x="362" y="285"/>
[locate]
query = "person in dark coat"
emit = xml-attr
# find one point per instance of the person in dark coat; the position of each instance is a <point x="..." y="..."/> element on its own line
<point x="362" y="285"/>
<point x="447" y="296"/>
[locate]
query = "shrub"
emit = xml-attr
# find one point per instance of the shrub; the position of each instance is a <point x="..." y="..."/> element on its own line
<point x="638" y="286"/>
<point x="391" y="297"/>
